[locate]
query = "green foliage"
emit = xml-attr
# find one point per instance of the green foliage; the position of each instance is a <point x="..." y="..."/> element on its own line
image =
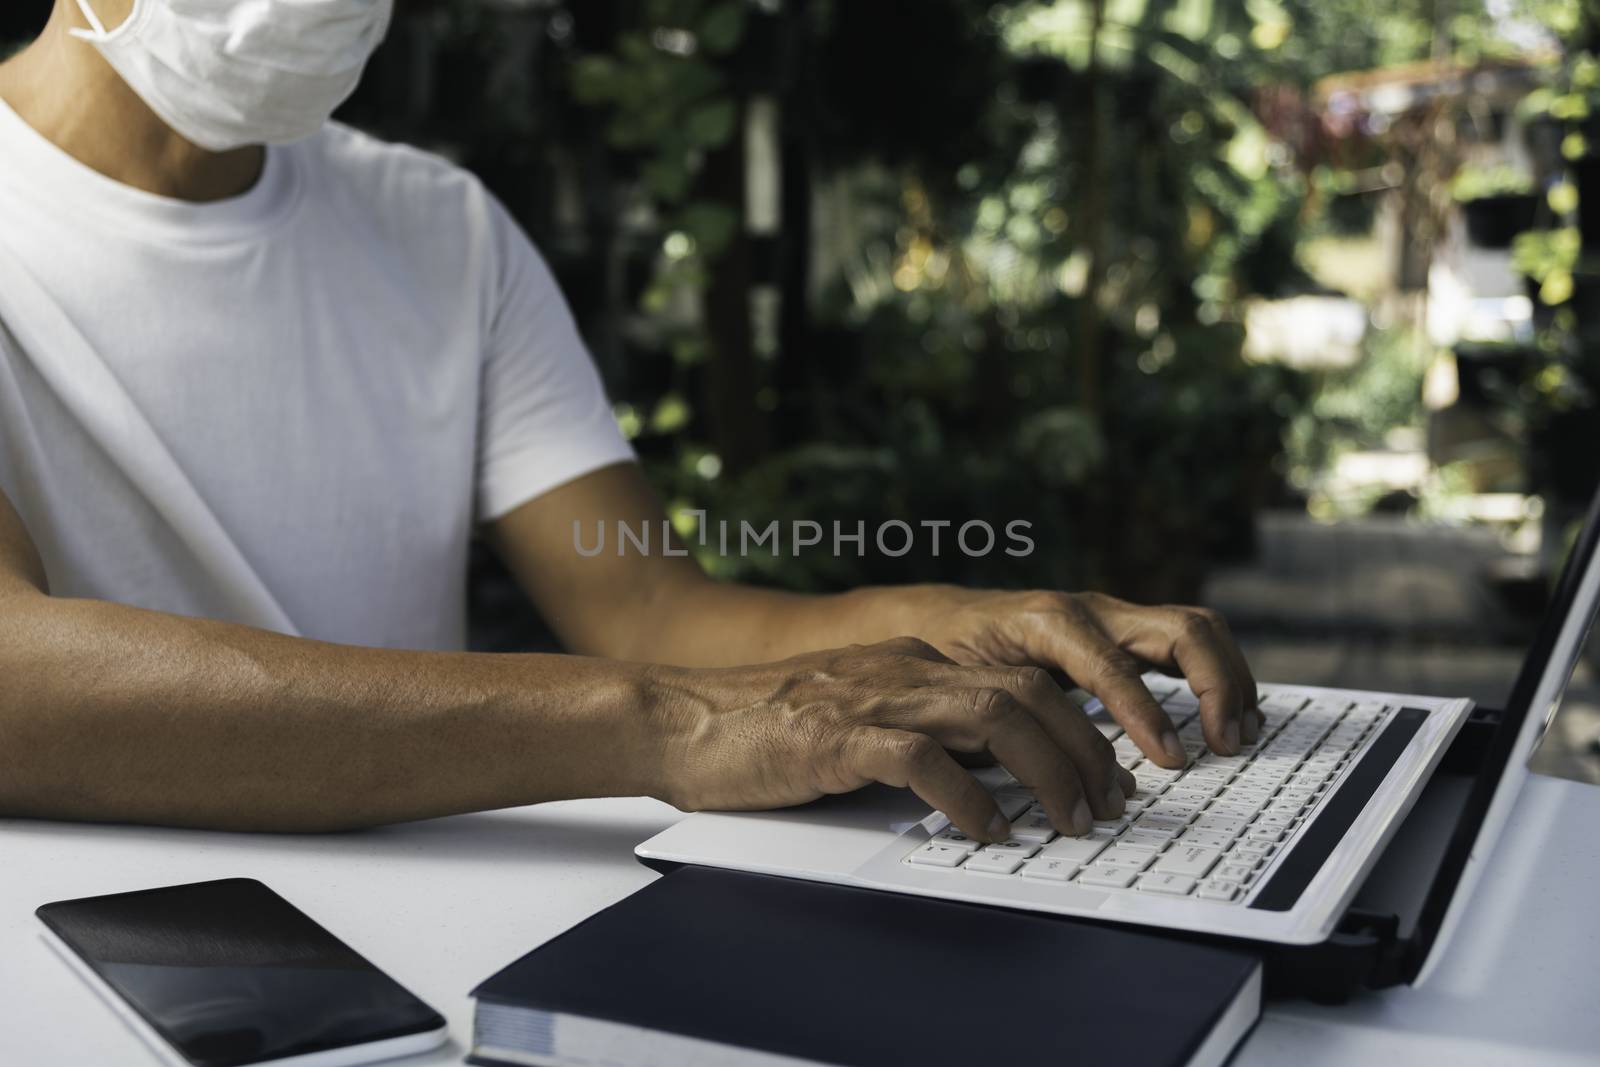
<point x="1478" y="182"/>
<point x="667" y="99"/>
<point x="946" y="382"/>
<point x="1354" y="408"/>
<point x="1549" y="258"/>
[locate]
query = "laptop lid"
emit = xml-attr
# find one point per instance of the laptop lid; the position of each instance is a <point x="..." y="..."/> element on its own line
<point x="1534" y="698"/>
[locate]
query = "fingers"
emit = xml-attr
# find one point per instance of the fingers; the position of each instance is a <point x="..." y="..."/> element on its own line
<point x="1252" y="720"/>
<point x="1195" y="643"/>
<point x="918" y="762"/>
<point x="1106" y="785"/>
<point x="1214" y="667"/>
<point x="970" y="717"/>
<point x="1199" y="655"/>
<point x="1098" y="665"/>
<point x="1023" y="747"/>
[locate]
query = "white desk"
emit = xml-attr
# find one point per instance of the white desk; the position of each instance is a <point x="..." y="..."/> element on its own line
<point x="443" y="904"/>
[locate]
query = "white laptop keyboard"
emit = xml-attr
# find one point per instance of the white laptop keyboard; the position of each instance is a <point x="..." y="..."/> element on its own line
<point x="1207" y="832"/>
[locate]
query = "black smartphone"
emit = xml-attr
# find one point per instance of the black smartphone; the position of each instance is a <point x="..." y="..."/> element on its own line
<point x="229" y="974"/>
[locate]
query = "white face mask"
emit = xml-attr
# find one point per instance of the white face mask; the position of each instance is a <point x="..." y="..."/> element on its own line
<point x="229" y="73"/>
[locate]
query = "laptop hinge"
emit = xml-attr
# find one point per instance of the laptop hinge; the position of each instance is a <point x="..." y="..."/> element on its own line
<point x="1469" y="750"/>
<point x="1363" y="951"/>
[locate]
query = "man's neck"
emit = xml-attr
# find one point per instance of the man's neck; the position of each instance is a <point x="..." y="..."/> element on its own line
<point x="62" y="87"/>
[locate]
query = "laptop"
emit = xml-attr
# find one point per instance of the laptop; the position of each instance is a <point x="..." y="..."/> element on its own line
<point x="1271" y="845"/>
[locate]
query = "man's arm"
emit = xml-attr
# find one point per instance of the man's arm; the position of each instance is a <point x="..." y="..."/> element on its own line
<point x="655" y="607"/>
<point x="113" y="713"/>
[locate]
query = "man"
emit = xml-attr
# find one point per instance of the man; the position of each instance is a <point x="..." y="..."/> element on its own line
<point x="262" y="378"/>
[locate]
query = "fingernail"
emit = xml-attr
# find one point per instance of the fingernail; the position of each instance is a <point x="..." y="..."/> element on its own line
<point x="999" y="829"/>
<point x="1230" y="735"/>
<point x="1174" y="747"/>
<point x="1082" y="817"/>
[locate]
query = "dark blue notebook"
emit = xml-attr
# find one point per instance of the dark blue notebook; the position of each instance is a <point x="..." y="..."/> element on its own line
<point x="709" y="967"/>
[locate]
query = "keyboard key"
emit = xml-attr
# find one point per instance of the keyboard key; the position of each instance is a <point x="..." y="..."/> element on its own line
<point x="933" y="854"/>
<point x="1135" y="838"/>
<point x="1141" y="832"/>
<point x="1048" y="869"/>
<point x="1229" y="809"/>
<point x="1158" y="779"/>
<point x="1147" y="792"/>
<point x="1033" y="826"/>
<point x="1220" y="824"/>
<point x="1107" y="877"/>
<point x="1284" y="703"/>
<point x="986" y="862"/>
<point x="1014" y="847"/>
<point x="956" y="839"/>
<point x="1188" y="860"/>
<point x="1173" y="809"/>
<point x="1074" y="850"/>
<point x="1204" y="839"/>
<point x="1113" y="826"/>
<point x="1204" y="776"/>
<point x="1243" y="873"/>
<point x="1217" y="889"/>
<point x="1131" y="858"/>
<point x="1155" y="820"/>
<point x="1172" y="884"/>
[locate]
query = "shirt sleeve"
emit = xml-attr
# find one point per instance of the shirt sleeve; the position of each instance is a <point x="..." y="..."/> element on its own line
<point x="544" y="418"/>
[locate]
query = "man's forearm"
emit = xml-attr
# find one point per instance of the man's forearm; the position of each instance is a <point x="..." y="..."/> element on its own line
<point x="705" y="623"/>
<point x="110" y="712"/>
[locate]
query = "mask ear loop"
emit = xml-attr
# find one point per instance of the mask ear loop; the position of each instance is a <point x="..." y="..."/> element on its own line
<point x="99" y="30"/>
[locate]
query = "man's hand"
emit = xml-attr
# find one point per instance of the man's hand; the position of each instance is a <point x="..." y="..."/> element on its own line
<point x="830" y="722"/>
<point x="1103" y="644"/>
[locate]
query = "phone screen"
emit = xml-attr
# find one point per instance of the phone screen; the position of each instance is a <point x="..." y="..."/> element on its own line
<point x="229" y="973"/>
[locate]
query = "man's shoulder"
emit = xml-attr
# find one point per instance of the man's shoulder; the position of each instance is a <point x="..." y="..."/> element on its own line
<point x="395" y="182"/>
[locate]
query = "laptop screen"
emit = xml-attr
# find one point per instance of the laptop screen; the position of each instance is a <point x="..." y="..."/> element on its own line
<point x="1537" y="693"/>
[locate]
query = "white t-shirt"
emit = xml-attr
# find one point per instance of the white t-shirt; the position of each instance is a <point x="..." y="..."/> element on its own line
<point x="290" y="408"/>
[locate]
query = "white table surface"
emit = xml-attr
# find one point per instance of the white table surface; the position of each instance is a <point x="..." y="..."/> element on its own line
<point x="443" y="904"/>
